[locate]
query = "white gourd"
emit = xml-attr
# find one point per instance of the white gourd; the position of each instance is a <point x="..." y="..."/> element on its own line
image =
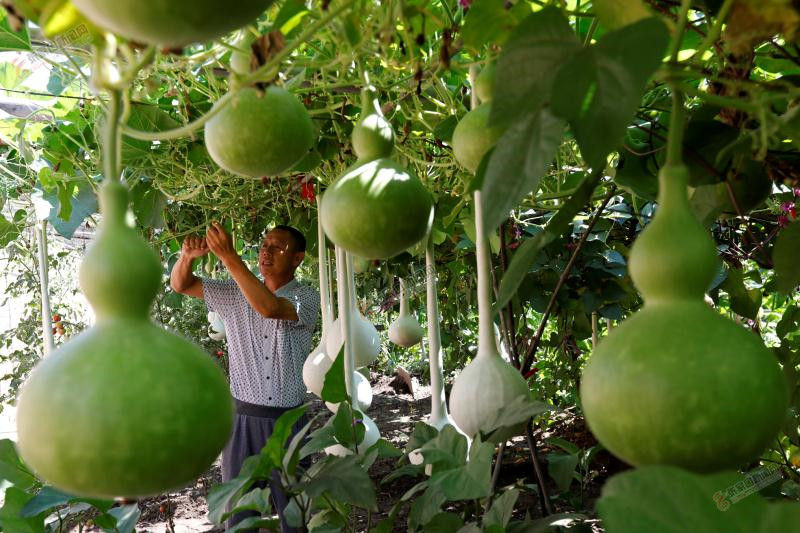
<point x="346" y="283"/>
<point x="487" y="384"/>
<point x="365" y="338"/>
<point x="405" y="331"/>
<point x="318" y="362"/>
<point x="216" y="329"/>
<point x="363" y="396"/>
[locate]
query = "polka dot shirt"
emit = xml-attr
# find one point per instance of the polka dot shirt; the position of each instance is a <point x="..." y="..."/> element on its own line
<point x="266" y="355"/>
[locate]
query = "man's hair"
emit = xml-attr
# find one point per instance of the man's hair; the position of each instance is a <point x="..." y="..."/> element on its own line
<point x="298" y="238"/>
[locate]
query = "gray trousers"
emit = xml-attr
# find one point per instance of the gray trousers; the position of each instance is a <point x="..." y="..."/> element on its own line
<point x="252" y="427"/>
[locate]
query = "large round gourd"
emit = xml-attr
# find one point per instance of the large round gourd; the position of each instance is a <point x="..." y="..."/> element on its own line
<point x="377" y="209"/>
<point x="126" y="408"/>
<point x="171" y="23"/>
<point x="259" y="133"/>
<point x="677" y="383"/>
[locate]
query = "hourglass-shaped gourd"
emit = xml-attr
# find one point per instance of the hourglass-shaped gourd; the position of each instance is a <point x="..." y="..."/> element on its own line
<point x="126" y="408"/>
<point x="677" y="383"/>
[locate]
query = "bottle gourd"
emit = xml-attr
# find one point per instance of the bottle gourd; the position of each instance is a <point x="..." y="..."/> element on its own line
<point x="125" y="409"/>
<point x="677" y="383"/>
<point x="405" y="331"/>
<point x="487" y="384"/>
<point x="376" y="208"/>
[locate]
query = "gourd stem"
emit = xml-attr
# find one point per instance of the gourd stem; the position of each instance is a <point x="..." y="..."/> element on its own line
<point x="325" y="301"/>
<point x="676" y="124"/>
<point x="44" y="285"/>
<point x="486" y="340"/>
<point x="346" y="322"/>
<point x="403" y="298"/>
<point x="438" y="405"/>
<point x="111" y="137"/>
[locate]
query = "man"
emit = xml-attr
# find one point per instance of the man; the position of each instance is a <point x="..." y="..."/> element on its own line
<point x="269" y="325"/>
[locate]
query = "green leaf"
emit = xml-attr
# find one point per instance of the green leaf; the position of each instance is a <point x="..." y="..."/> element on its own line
<point x="665" y="499"/>
<point x="517" y="163"/>
<point x="45" y="499"/>
<point x="344" y="479"/>
<point x="11" y="40"/>
<point x="527" y="66"/>
<point x="425" y="507"/>
<point x="561" y="467"/>
<point x="744" y="302"/>
<point x="421" y="434"/>
<point x="148" y="204"/>
<point x="334" y="389"/>
<point x="549" y="524"/>
<point x="223" y="494"/>
<point x="502" y="507"/>
<point x="252" y="523"/>
<point x="789" y="322"/>
<point x="126" y="518"/>
<point x="10" y="518"/>
<point x="12" y="469"/>
<point x="443" y="523"/>
<point x="490" y="21"/>
<point x="444" y="129"/>
<point x="275" y="447"/>
<point x="8" y="232"/>
<point x="470" y="481"/>
<point x="254" y="500"/>
<point x="785" y="257"/>
<point x="612" y="75"/>
<point x="527" y="254"/>
<point x="447" y="450"/>
<point x="515" y="413"/>
<point x="148" y="118"/>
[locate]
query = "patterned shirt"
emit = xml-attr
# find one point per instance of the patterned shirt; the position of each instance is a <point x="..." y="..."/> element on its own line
<point x="266" y="355"/>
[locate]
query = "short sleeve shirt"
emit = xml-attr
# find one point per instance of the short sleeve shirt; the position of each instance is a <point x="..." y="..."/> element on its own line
<point x="265" y="355"/>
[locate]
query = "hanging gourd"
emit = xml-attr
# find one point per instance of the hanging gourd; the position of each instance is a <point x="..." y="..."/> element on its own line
<point x="405" y="331"/>
<point x="677" y="383"/>
<point x="376" y="208"/>
<point x="472" y="136"/>
<point x="171" y="23"/>
<point x="487" y="384"/>
<point x="345" y="282"/>
<point x="216" y="326"/>
<point x="125" y="409"/>
<point x="260" y="132"/>
<point x="318" y="362"/>
<point x="366" y="343"/>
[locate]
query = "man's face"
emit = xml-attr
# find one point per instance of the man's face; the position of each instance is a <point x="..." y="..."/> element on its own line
<point x="277" y="255"/>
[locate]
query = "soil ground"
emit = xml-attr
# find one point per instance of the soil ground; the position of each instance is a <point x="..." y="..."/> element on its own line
<point x="185" y="511"/>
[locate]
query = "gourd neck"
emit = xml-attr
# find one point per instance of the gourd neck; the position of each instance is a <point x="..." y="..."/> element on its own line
<point x="113" y="197"/>
<point x="403" y="299"/>
<point x="487" y="346"/>
<point x="673" y="181"/>
<point x="324" y="290"/>
<point x="438" y="404"/>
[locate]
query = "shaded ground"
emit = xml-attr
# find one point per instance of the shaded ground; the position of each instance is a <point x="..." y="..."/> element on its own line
<point x="395" y="414"/>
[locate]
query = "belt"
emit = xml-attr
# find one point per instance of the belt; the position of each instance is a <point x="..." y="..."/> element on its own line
<point x="262" y="411"/>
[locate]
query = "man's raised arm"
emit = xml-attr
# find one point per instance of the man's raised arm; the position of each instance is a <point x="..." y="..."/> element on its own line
<point x="182" y="279"/>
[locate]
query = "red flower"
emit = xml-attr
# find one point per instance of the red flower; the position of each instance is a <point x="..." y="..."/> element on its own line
<point x="220" y="354"/>
<point x="308" y="192"/>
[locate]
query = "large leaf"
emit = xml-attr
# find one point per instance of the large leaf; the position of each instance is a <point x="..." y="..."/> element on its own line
<point x="785" y="257"/>
<point x="665" y="499"/>
<point x="527" y="66"/>
<point x="470" y="481"/>
<point x="520" y="159"/>
<point x="144" y="118"/>
<point x="561" y="467"/>
<point x="148" y="204"/>
<point x="225" y="493"/>
<point x="9" y="231"/>
<point x="275" y="447"/>
<point x="11" y="40"/>
<point x="334" y="388"/>
<point x="10" y="517"/>
<point x="744" y="302"/>
<point x="344" y="479"/>
<point x="126" y="518"/>
<point x="528" y="252"/>
<point x="12" y="468"/>
<point x="490" y="21"/>
<point x="502" y="507"/>
<point x="516" y="412"/>
<point x="599" y="89"/>
<point x="71" y="203"/>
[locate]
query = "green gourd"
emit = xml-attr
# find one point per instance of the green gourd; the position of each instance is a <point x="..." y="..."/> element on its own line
<point x="259" y="133"/>
<point x="171" y="23"/>
<point x="126" y="408"/>
<point x="377" y="208"/>
<point x="677" y="383"/>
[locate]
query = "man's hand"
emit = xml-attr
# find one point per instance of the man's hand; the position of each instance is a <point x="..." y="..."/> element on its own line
<point x="194" y="247"/>
<point x="220" y="242"/>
